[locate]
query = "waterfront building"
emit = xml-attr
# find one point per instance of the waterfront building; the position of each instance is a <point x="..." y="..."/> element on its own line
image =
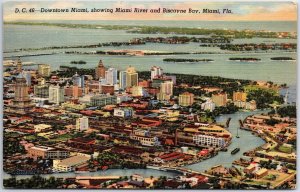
<point x="100" y="70"/>
<point x="208" y="105"/>
<point x="122" y="79"/>
<point x="166" y="91"/>
<point x="219" y="99"/>
<point x="69" y="164"/>
<point x="41" y="91"/>
<point x="56" y="94"/>
<point x="102" y="100"/>
<point x="186" y="99"/>
<point x="44" y="70"/>
<point x="239" y="96"/>
<point x="261" y="173"/>
<point x="82" y="123"/>
<point x="131" y="77"/>
<point x="156" y="72"/>
<point x="45" y="152"/>
<point x="206" y="140"/>
<point x="21" y="102"/>
<point x="111" y="76"/>
<point x="123" y="112"/>
<point x="251" y="105"/>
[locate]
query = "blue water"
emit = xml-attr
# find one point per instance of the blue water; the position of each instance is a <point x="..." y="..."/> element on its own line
<point x="16" y="37"/>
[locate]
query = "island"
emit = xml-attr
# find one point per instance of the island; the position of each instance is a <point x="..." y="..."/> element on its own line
<point x="182" y="60"/>
<point x="248" y="59"/>
<point x="78" y="62"/>
<point x="283" y="58"/>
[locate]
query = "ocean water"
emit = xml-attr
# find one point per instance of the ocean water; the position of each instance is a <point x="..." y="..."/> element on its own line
<point x="17" y="36"/>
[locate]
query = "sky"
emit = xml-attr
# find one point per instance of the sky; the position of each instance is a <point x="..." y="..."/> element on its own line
<point x="243" y="11"/>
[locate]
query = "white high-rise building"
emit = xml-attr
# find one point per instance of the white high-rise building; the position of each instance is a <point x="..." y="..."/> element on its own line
<point x="111" y="76"/>
<point x="122" y="79"/>
<point x="27" y="76"/>
<point x="56" y="94"/>
<point x="82" y="123"/>
<point x="156" y="72"/>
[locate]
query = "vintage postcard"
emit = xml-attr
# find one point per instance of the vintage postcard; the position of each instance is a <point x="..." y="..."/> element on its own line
<point x="149" y="95"/>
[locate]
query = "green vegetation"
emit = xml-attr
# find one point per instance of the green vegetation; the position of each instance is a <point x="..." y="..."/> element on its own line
<point x="35" y="182"/>
<point x="272" y="121"/>
<point x="283" y="58"/>
<point x="78" y="62"/>
<point x="112" y="160"/>
<point x="186" y="60"/>
<point x="264" y="97"/>
<point x="163" y="30"/>
<point x="285" y="149"/>
<point x="61" y="138"/>
<point x="66" y="71"/>
<point x="11" y="144"/>
<point x="244" y="59"/>
<point x="287" y="111"/>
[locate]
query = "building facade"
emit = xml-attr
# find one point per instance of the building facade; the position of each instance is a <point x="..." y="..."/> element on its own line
<point x="44" y="70"/>
<point x="82" y="123"/>
<point x="186" y="99"/>
<point x="56" y="94"/>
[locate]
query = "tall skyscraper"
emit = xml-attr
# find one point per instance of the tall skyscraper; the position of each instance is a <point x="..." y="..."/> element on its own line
<point x="100" y="70"/>
<point x="111" y="76"/>
<point x="19" y="65"/>
<point x="122" y="79"/>
<point x="82" y="123"/>
<point x="21" y="103"/>
<point x="44" y="70"/>
<point x="27" y="76"/>
<point x="131" y="77"/>
<point x="76" y="79"/>
<point x="56" y="94"/>
<point x="166" y="90"/>
<point x="156" y="72"/>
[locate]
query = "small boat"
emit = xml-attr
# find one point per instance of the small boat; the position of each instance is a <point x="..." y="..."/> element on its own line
<point x="237" y="133"/>
<point x="235" y="151"/>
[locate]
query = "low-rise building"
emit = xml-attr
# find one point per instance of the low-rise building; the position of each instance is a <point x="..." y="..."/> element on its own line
<point x="41" y="127"/>
<point x="102" y="100"/>
<point x="69" y="164"/>
<point x="47" y="152"/>
<point x="205" y="140"/>
<point x="123" y="112"/>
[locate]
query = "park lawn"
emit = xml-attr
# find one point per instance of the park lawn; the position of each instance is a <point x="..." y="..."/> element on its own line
<point x="63" y="137"/>
<point x="30" y="137"/>
<point x="248" y="88"/>
<point x="285" y="149"/>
